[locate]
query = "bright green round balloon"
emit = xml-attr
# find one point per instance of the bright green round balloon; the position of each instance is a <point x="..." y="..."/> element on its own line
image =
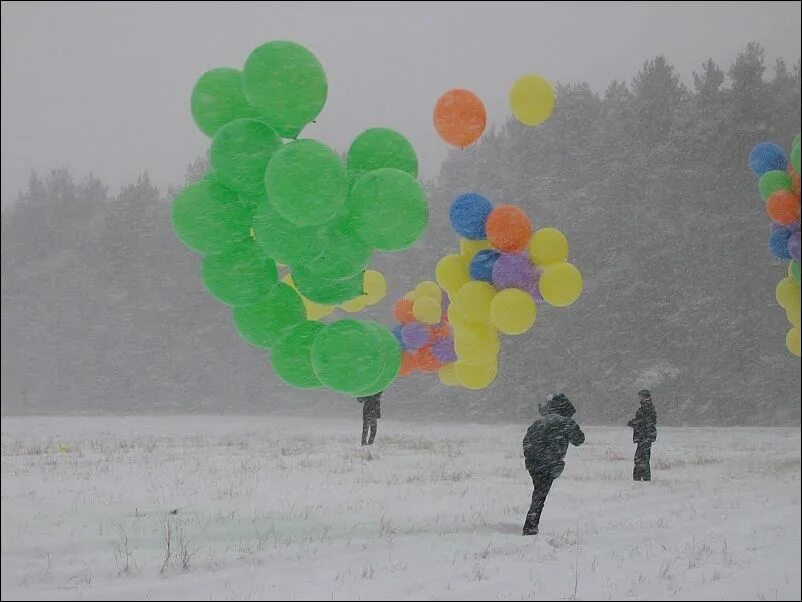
<point x="391" y="353"/>
<point x="795" y="158"/>
<point x="217" y="99"/>
<point x="263" y="324"/>
<point x="286" y="83"/>
<point x="388" y="209"/>
<point x="772" y="181"/>
<point x="795" y="271"/>
<point x="210" y="218"/>
<point x="284" y="241"/>
<point x="240" y="153"/>
<point x="344" y="255"/>
<point x="239" y="277"/>
<point x="380" y="147"/>
<point x="346" y="356"/>
<point x="292" y="356"/>
<point x="327" y="291"/>
<point x="306" y="182"/>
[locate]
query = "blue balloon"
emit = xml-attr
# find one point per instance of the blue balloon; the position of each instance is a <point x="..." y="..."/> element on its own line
<point x="468" y="215"/>
<point x="767" y="156"/>
<point x="397" y="335"/>
<point x="482" y="265"/>
<point x="778" y="243"/>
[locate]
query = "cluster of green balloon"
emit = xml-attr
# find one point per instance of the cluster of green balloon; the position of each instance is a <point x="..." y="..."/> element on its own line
<point x="270" y="198"/>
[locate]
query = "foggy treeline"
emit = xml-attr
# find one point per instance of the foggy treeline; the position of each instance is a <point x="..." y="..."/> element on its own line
<point x="103" y="309"/>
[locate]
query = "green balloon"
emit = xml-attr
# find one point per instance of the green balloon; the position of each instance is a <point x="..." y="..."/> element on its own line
<point x="772" y="181"/>
<point x="795" y="158"/>
<point x="240" y="153"/>
<point x="327" y="291"/>
<point x="306" y="183"/>
<point x="284" y="241"/>
<point x="346" y="356"/>
<point x="286" y="83"/>
<point x="795" y="269"/>
<point x="344" y="255"/>
<point x="239" y="277"/>
<point x="380" y="147"/>
<point x="210" y="218"/>
<point x="217" y="99"/>
<point x="292" y="355"/>
<point x="263" y="324"/>
<point x="391" y="352"/>
<point x="388" y="209"/>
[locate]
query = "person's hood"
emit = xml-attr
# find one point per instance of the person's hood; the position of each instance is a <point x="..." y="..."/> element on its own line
<point x="561" y="405"/>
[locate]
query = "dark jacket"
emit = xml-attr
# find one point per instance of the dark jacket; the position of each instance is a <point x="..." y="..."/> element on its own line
<point x="546" y="441"/>
<point x="644" y="425"/>
<point x="371" y="407"/>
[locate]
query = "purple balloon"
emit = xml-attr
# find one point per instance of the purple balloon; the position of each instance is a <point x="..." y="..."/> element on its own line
<point x="793" y="245"/>
<point x="513" y="271"/>
<point x="443" y="350"/>
<point x="414" y="335"/>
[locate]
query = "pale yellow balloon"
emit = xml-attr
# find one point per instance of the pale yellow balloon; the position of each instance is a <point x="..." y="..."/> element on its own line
<point x="476" y="376"/>
<point x="792" y="341"/>
<point x="513" y="311"/>
<point x="477" y="343"/>
<point x="448" y="374"/>
<point x="454" y="317"/>
<point x="473" y="301"/>
<point x="786" y="292"/>
<point x="410" y="295"/>
<point x="287" y="279"/>
<point x="375" y="286"/>
<point x="547" y="246"/>
<point x="356" y="304"/>
<point x="468" y="248"/>
<point x="427" y="288"/>
<point x="793" y="315"/>
<point x="560" y="284"/>
<point x="427" y="310"/>
<point x="316" y="311"/>
<point x="531" y="99"/>
<point x="452" y="273"/>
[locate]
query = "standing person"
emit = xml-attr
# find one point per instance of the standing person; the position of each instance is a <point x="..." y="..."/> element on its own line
<point x="371" y="412"/>
<point x="545" y="445"/>
<point x="644" y="433"/>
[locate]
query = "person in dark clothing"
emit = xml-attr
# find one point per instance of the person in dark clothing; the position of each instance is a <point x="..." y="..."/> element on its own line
<point x="644" y="433"/>
<point x="371" y="412"/>
<point x="545" y="445"/>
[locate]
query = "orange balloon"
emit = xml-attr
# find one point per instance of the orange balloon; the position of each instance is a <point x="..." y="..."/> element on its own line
<point x="426" y="360"/>
<point x="408" y="364"/>
<point x="783" y="207"/>
<point x="403" y="311"/>
<point x="508" y="229"/>
<point x="460" y="117"/>
<point x="439" y="331"/>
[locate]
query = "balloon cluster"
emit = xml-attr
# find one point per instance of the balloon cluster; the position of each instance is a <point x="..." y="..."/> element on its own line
<point x="779" y="187"/>
<point x="504" y="269"/>
<point x="271" y="199"/>
<point x="424" y="333"/>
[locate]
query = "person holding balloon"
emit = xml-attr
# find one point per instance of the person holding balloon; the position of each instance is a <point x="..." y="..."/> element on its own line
<point x="371" y="412"/>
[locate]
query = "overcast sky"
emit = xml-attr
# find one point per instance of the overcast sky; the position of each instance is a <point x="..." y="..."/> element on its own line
<point x="104" y="87"/>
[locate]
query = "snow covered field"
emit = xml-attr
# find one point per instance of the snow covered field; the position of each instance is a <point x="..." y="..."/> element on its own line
<point x="288" y="508"/>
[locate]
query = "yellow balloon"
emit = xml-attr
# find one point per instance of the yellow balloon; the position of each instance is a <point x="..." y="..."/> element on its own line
<point x="316" y="311"/>
<point x="468" y="248"/>
<point x="531" y="99"/>
<point x="513" y="311"/>
<point x="793" y="315"/>
<point x="476" y="376"/>
<point x="787" y="290"/>
<point x="455" y="318"/>
<point x="356" y="304"/>
<point x="427" y="288"/>
<point x="792" y="341"/>
<point x="410" y="296"/>
<point x="560" y="284"/>
<point x="547" y="246"/>
<point x="375" y="287"/>
<point x="448" y="374"/>
<point x="477" y="343"/>
<point x="427" y="310"/>
<point x="473" y="301"/>
<point x="451" y="273"/>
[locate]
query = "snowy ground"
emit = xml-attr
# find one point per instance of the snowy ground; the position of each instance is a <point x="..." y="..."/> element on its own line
<point x="280" y="508"/>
